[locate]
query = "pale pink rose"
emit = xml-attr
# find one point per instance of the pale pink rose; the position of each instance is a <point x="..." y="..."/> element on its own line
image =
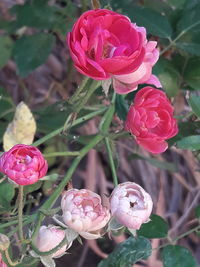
<point x="84" y="213"/>
<point x="150" y="120"/>
<point x="2" y="263"/>
<point x="131" y="205"/>
<point x="50" y="237"/>
<point x="105" y="44"/>
<point x="23" y="164"/>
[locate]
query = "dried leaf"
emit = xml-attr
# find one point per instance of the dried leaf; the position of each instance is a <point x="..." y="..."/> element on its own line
<point x="106" y="85"/>
<point x="22" y="129"/>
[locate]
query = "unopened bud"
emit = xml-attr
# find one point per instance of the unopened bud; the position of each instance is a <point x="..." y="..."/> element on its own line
<point x="4" y="242"/>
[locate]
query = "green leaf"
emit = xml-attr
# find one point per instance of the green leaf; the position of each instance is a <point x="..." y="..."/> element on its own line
<point x="58" y="113"/>
<point x="185" y="129"/>
<point x="7" y="192"/>
<point x="177" y="256"/>
<point x="156" y="228"/>
<point x="121" y="107"/>
<point x="33" y="187"/>
<point x="163" y="7"/>
<point x="192" y="48"/>
<point x="6" y="104"/>
<point x="168" y="76"/>
<point x="194" y="102"/>
<point x="36" y="14"/>
<point x="39" y="14"/>
<point x="189" y="142"/>
<point x="176" y="3"/>
<point x="197" y="211"/>
<point x="192" y="73"/>
<point x="190" y="20"/>
<point x="32" y="51"/>
<point x="6" y="46"/>
<point x="128" y="253"/>
<point x="154" y="22"/>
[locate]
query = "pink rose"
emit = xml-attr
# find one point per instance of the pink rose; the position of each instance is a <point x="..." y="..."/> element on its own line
<point x="104" y="44"/>
<point x="50" y="237"/>
<point x="84" y="213"/>
<point x="23" y="164"/>
<point x="150" y="119"/>
<point x="131" y="205"/>
<point x="2" y="263"/>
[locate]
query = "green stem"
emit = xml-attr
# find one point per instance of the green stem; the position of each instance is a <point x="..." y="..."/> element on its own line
<point x="173" y="42"/>
<point x="51" y="200"/>
<point x="3" y="225"/>
<point x="76" y="122"/>
<point x="20" y="212"/>
<point x="8" y="259"/>
<point x="47" y="253"/>
<point x="26" y="222"/>
<point x="92" y="86"/>
<point x="73" y="99"/>
<point x="112" y="164"/>
<point x="62" y="154"/>
<point x="108" y="116"/>
<point x="179" y="237"/>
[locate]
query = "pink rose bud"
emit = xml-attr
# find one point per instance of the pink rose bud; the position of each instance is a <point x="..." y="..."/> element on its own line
<point x="23" y="164"/>
<point x="150" y="119"/>
<point x="104" y="44"/>
<point x="2" y="263"/>
<point x="84" y="213"/>
<point x="131" y="205"/>
<point x="50" y="237"/>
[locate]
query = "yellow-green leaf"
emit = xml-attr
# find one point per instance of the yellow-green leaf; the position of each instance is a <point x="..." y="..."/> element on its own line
<point x="22" y="129"/>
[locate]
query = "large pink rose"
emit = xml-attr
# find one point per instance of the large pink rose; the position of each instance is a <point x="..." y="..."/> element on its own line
<point x="150" y="119"/>
<point x="84" y="213"/>
<point x="104" y="44"/>
<point x="131" y="205"/>
<point x="23" y="164"/>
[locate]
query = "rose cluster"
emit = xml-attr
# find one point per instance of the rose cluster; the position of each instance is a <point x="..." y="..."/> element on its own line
<point x="84" y="213"/>
<point x="82" y="209"/>
<point x="107" y="45"/>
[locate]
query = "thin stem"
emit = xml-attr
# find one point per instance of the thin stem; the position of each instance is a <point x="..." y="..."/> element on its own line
<point x="53" y="250"/>
<point x="62" y="154"/>
<point x="26" y="222"/>
<point x="179" y="237"/>
<point x="112" y="164"/>
<point x="8" y="259"/>
<point x="173" y="42"/>
<point x="20" y="212"/>
<point x="76" y="122"/>
<point x="108" y="116"/>
<point x="92" y="86"/>
<point x="78" y="91"/>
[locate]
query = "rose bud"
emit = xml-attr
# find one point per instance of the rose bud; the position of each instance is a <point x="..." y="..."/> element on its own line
<point x="131" y="205"/>
<point x="2" y="263"/>
<point x="150" y="119"/>
<point x="23" y="164"/>
<point x="50" y="237"/>
<point x="105" y="44"/>
<point x="84" y="213"/>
